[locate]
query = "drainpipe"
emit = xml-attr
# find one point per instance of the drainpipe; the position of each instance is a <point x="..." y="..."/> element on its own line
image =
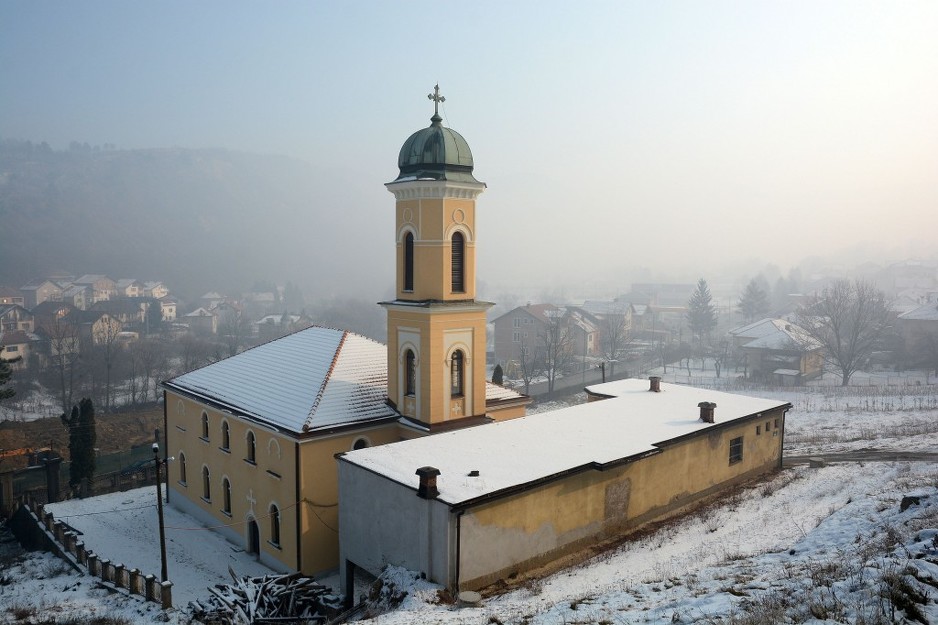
<point x="458" y="543"/>
<point x="166" y="443"/>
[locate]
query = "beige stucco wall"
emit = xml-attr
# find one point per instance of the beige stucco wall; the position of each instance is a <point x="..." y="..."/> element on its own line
<point x="516" y="533"/>
<point x="440" y="331"/>
<point x="271" y="479"/>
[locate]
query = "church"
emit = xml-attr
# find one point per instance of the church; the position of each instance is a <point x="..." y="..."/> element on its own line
<point x="324" y="449"/>
<point x="255" y="436"/>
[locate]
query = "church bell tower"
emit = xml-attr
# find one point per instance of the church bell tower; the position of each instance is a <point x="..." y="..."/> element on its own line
<point x="436" y="327"/>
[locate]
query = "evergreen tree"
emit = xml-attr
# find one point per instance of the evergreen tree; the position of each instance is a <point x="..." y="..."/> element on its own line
<point x="154" y="322"/>
<point x="5" y="373"/>
<point x="754" y="302"/>
<point x="81" y="441"/>
<point x="498" y="376"/>
<point x="701" y="314"/>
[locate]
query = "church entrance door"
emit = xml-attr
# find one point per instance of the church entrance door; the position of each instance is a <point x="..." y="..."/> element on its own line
<point x="254" y="538"/>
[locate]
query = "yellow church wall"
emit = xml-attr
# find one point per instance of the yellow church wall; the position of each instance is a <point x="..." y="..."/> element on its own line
<point x="517" y="533"/>
<point x="433" y="222"/>
<point x="271" y="479"/>
<point x="319" y="492"/>
<point x="254" y="485"/>
<point x="434" y="325"/>
<point x="507" y="412"/>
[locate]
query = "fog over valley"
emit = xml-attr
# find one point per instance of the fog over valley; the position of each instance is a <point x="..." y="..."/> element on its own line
<point x="215" y="145"/>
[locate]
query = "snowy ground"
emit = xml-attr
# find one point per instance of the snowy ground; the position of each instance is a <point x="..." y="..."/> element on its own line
<point x="825" y="541"/>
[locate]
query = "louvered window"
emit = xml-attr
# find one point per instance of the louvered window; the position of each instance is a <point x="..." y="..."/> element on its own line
<point x="409" y="262"/>
<point x="411" y="367"/>
<point x="458" y="264"/>
<point x="456" y="374"/>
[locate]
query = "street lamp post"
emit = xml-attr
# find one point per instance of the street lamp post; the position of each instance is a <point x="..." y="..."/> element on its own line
<point x="159" y="508"/>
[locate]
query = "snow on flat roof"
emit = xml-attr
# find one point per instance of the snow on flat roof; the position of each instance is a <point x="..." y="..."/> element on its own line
<point x="312" y="379"/>
<point x="494" y="392"/>
<point x="512" y="453"/>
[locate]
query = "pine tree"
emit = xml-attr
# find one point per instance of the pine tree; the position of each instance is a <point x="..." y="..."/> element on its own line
<point x="498" y="376"/>
<point x="754" y="302"/>
<point x="5" y="373"/>
<point x="81" y="441"/>
<point x="701" y="314"/>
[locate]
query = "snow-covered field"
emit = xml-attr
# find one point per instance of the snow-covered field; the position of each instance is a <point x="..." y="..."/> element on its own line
<point x="810" y="545"/>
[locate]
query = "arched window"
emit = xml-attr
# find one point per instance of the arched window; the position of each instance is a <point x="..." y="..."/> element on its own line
<point x="361" y="443"/>
<point x="206" y="485"/>
<point x="458" y="264"/>
<point x="226" y="492"/>
<point x="182" y="468"/>
<point x="251" y="448"/>
<point x="410" y="363"/>
<point x="456" y="374"/>
<point x="274" y="524"/>
<point x="205" y="425"/>
<point x="409" y="262"/>
<point x="225" y="435"/>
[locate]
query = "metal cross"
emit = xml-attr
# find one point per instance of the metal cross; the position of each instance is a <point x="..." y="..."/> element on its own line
<point x="437" y="98"/>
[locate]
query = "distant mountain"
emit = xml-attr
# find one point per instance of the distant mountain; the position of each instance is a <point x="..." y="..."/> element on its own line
<point x="197" y="219"/>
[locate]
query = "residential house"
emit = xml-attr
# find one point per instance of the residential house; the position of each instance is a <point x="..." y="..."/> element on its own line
<point x="778" y="351"/>
<point x="14" y="317"/>
<point x="102" y="287"/>
<point x="211" y="299"/>
<point x="202" y="321"/>
<point x="77" y="295"/>
<point x="521" y="329"/>
<point x="127" y="310"/>
<point x="155" y="289"/>
<point x="38" y="292"/>
<point x="129" y="287"/>
<point x="475" y="506"/>
<point x="96" y="327"/>
<point x="919" y="331"/>
<point x="17" y="347"/>
<point x="9" y="295"/>
<point x="168" y="308"/>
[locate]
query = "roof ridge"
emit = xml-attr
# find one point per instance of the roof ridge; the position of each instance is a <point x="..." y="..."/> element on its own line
<point x="325" y="381"/>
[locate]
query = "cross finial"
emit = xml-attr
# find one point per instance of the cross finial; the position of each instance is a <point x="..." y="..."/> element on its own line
<point x="437" y="98"/>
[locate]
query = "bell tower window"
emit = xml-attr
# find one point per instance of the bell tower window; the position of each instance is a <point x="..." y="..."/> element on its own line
<point x="409" y="262"/>
<point x="456" y="374"/>
<point x="458" y="263"/>
<point x="411" y="370"/>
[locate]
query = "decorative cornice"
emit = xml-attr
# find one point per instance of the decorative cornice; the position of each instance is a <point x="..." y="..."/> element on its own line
<point x="435" y="189"/>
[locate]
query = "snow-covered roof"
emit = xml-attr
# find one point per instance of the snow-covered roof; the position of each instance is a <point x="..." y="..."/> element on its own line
<point x="496" y="392"/>
<point x="928" y="312"/>
<point x="777" y="334"/>
<point x="200" y="312"/>
<point x="314" y="379"/>
<point x="508" y="454"/>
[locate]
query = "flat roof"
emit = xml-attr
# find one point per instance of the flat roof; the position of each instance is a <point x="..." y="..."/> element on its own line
<point x="508" y="454"/>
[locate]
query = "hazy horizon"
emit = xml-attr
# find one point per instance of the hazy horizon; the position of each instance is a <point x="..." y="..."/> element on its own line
<point x="648" y="141"/>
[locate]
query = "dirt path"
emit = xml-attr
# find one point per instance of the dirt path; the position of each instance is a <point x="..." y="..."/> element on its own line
<point x="864" y="455"/>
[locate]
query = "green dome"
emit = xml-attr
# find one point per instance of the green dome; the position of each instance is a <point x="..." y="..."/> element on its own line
<point x="435" y="153"/>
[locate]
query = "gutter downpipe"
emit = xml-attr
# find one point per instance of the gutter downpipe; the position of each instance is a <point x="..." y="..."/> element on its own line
<point x="166" y="444"/>
<point x="458" y="543"/>
<point x="781" y="443"/>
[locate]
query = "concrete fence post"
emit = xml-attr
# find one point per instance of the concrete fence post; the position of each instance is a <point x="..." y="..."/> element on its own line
<point x="133" y="582"/>
<point x="106" y="570"/>
<point x="92" y="564"/>
<point x="70" y="542"/>
<point x="166" y="594"/>
<point x="80" y="553"/>
<point x="148" y="586"/>
<point x="119" y="575"/>
<point x="58" y="530"/>
<point x="48" y="521"/>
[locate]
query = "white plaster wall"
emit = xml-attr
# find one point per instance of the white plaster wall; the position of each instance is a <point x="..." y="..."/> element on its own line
<point x="382" y="522"/>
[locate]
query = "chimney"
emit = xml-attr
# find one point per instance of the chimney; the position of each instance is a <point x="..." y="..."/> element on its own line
<point x="427" y="488"/>
<point x="655" y="384"/>
<point x="706" y="411"/>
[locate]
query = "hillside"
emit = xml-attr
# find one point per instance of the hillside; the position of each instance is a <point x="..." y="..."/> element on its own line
<point x="196" y="219"/>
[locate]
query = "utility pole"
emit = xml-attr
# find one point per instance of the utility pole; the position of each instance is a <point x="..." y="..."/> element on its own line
<point x="159" y="508"/>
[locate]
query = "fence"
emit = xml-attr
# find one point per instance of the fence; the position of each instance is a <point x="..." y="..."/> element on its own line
<point x="34" y="525"/>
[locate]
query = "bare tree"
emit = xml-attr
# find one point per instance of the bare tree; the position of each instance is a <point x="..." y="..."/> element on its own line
<point x="529" y="363"/>
<point x="556" y="340"/>
<point x="614" y="336"/>
<point x="849" y="319"/>
<point x="195" y="352"/>
<point x="234" y="329"/>
<point x="64" y="348"/>
<point x="106" y="350"/>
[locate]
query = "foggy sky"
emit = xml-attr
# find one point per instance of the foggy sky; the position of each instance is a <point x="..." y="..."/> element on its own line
<point x="654" y="140"/>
